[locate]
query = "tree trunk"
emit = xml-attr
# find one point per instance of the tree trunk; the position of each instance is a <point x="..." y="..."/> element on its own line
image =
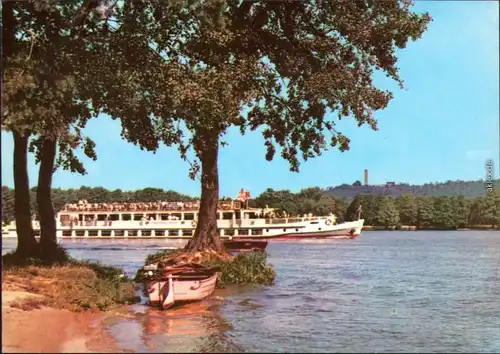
<point x="206" y="236"/>
<point x="26" y="242"/>
<point x="48" y="227"/>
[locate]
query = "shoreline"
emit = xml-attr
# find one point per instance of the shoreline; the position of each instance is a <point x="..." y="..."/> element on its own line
<point x="365" y="228"/>
<point x="49" y="330"/>
<point x="414" y="228"/>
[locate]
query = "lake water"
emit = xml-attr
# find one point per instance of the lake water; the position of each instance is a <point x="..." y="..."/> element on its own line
<point x="384" y="292"/>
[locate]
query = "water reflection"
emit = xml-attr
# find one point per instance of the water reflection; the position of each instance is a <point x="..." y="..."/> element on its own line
<point x="193" y="327"/>
<point x="384" y="292"/>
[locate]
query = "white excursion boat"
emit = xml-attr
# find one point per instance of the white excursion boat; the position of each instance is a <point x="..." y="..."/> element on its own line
<point x="177" y="220"/>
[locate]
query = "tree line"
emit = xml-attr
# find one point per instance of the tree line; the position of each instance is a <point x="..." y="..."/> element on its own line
<point x="444" y="212"/>
<point x="181" y="73"/>
<point x="468" y="189"/>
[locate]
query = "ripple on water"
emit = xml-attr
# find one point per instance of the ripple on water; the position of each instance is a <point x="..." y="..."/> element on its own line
<point x="385" y="292"/>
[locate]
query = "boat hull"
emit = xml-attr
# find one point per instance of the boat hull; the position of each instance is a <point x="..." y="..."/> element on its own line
<point x="184" y="290"/>
<point x="349" y="230"/>
<point x="244" y="245"/>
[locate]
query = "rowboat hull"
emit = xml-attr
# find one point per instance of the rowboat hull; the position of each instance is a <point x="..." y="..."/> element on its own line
<point x="178" y="288"/>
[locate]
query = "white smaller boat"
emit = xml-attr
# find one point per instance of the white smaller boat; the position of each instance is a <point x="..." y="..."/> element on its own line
<point x="186" y="283"/>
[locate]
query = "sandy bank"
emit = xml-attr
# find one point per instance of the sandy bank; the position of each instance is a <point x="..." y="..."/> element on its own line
<point x="48" y="330"/>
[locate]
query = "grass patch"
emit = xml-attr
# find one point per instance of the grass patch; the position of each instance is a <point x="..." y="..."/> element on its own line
<point x="245" y="268"/>
<point x="66" y="283"/>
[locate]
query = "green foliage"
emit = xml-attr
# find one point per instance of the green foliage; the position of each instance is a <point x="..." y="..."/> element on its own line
<point x="68" y="283"/>
<point x="245" y="268"/>
<point x="41" y="90"/>
<point x="387" y="211"/>
<point x="468" y="189"/>
<point x="442" y="212"/>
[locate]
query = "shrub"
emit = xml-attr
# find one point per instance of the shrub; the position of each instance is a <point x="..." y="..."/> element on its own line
<point x="245" y="268"/>
<point x="66" y="283"/>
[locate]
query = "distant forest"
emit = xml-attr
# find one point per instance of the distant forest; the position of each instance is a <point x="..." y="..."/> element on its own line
<point x="447" y="205"/>
<point x="468" y="189"/>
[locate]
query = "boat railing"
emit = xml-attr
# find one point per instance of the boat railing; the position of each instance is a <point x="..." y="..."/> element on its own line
<point x="274" y="221"/>
<point x="145" y="207"/>
<point x="129" y="223"/>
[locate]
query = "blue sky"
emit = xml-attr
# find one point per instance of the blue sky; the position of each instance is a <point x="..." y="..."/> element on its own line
<point x="442" y="127"/>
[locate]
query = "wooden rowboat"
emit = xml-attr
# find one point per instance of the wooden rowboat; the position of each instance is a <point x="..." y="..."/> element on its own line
<point x="191" y="282"/>
<point x="237" y="246"/>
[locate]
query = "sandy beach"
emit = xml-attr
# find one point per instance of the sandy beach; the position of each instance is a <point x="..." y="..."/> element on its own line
<point x="48" y="330"/>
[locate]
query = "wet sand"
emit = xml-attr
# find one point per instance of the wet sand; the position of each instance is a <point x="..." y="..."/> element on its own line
<point x="135" y="328"/>
<point x="48" y="330"/>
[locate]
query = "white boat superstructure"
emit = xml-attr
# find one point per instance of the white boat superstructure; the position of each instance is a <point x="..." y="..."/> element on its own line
<point x="178" y="221"/>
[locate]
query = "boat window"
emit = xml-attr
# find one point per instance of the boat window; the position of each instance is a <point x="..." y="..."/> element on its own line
<point x="132" y="232"/>
<point x="319" y="228"/>
<point x="176" y="216"/>
<point x="267" y="230"/>
<point x="237" y="215"/>
<point x="164" y="216"/>
<point x="80" y="217"/>
<point x="151" y="216"/>
<point x="80" y="233"/>
<point x="159" y="232"/>
<point x="187" y="232"/>
<point x="284" y="230"/>
<point x="297" y="230"/>
<point x="257" y="232"/>
<point x="106" y="233"/>
<point x="119" y="233"/>
<point x="188" y="216"/>
<point x="243" y="232"/>
<point x="173" y="232"/>
<point x="252" y="215"/>
<point x="64" y="217"/>
<point x="92" y="233"/>
<point x="227" y="216"/>
<point x="101" y="217"/>
<point x="114" y="217"/>
<point x="145" y="232"/>
<point x="314" y="222"/>
<point x="126" y="217"/>
<point x="229" y="232"/>
<point x="138" y="217"/>
<point x="67" y="233"/>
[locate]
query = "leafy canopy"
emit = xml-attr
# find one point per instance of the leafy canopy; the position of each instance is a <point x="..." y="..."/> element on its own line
<point x="185" y="74"/>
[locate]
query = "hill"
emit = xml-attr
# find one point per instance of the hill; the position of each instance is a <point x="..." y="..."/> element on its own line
<point x="468" y="189"/>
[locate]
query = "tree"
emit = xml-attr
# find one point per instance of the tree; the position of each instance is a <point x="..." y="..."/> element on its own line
<point x="7" y="205"/>
<point x="460" y="207"/>
<point x="443" y="216"/>
<point x="292" y="65"/>
<point x="12" y="82"/>
<point x="492" y="209"/>
<point x="408" y="209"/>
<point x="47" y="105"/>
<point x="387" y="213"/>
<point x="425" y="216"/>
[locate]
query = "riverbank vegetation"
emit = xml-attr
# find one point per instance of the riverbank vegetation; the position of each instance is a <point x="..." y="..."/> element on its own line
<point x="208" y="62"/>
<point x="244" y="268"/>
<point x="65" y="283"/>
<point x="381" y="211"/>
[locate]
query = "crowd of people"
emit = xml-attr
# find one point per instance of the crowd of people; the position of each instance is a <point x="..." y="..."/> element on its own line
<point x="84" y="206"/>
